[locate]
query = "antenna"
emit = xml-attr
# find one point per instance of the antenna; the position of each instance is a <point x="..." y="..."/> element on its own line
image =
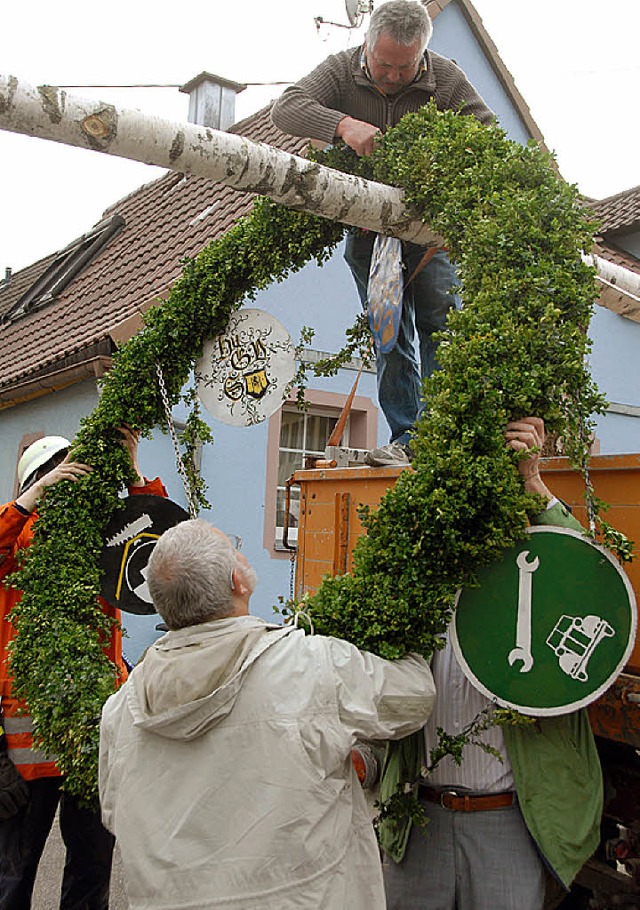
<point x="355" y="10"/>
<point x="354" y="13"/>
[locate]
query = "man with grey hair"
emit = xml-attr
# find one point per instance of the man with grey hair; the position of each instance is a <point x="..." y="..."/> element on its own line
<point x="354" y="96"/>
<point x="186" y="589"/>
<point x="225" y="768"/>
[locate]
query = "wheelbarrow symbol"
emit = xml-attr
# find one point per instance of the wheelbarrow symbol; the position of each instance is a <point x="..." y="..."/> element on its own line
<point x="574" y="639"/>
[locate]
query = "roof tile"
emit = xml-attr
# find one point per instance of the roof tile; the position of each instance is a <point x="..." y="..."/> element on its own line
<point x="167" y="220"/>
<point x="618" y="213"/>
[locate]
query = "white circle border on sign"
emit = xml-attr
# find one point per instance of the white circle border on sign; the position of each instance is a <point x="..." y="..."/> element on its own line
<point x="243" y="412"/>
<point x="593" y="696"/>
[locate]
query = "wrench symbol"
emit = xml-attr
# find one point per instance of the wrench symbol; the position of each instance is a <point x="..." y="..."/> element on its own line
<point x="522" y="650"/>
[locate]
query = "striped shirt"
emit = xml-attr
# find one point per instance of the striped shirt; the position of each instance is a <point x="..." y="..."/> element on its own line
<point x="457" y="704"/>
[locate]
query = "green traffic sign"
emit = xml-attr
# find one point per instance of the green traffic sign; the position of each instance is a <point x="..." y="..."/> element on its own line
<point x="549" y="626"/>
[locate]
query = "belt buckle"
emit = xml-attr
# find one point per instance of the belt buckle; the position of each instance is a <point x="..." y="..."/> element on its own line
<point x="445" y="793"/>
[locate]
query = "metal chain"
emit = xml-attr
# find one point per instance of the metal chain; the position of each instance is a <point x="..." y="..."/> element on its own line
<point x="591" y="511"/>
<point x="292" y="573"/>
<point x="191" y="502"/>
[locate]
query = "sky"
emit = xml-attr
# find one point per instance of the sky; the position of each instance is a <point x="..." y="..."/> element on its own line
<point x="577" y="68"/>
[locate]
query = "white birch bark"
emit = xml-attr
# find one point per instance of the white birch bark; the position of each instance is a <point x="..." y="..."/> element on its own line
<point x="615" y="276"/>
<point x="51" y="113"/>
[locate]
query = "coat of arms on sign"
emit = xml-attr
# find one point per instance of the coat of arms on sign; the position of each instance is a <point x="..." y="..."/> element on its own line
<point x="243" y="375"/>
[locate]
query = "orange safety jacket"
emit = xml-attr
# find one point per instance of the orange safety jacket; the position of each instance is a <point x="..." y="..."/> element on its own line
<point x="16" y="533"/>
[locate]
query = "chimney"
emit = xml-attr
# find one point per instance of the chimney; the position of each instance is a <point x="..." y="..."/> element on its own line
<point x="212" y="100"/>
<point x="6" y="281"/>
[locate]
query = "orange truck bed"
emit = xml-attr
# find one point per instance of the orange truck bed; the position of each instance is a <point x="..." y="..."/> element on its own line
<point x="329" y="527"/>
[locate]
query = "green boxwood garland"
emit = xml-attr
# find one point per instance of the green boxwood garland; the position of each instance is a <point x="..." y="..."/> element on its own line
<point x="57" y="660"/>
<point x="517" y="348"/>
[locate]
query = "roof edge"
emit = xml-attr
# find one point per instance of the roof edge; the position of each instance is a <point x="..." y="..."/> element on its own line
<point x="28" y="389"/>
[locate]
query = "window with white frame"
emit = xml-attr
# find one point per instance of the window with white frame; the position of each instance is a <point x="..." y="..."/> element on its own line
<point x="302" y="433"/>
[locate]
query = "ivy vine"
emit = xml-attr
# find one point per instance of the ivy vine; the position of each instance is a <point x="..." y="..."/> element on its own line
<point x="517" y="348"/>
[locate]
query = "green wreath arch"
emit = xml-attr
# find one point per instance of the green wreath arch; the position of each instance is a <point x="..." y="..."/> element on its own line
<point x="517" y="348"/>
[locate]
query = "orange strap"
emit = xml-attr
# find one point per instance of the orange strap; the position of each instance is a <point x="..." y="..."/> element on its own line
<point x="426" y="259"/>
<point x="338" y="430"/>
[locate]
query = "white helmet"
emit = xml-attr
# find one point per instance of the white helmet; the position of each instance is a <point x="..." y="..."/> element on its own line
<point x="37" y="455"/>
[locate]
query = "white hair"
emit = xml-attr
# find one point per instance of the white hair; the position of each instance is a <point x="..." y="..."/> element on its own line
<point x="190" y="572"/>
<point x="404" y="21"/>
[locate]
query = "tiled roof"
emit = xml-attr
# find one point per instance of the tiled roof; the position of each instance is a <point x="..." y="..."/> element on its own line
<point x="618" y="213"/>
<point x="611" y="297"/>
<point x="167" y="220"/>
<point x="20" y="283"/>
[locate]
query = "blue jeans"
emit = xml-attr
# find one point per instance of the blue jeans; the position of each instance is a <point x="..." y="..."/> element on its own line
<point x="87" y="871"/>
<point x="427" y="300"/>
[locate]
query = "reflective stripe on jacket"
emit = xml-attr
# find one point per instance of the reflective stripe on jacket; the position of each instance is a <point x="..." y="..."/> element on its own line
<point x="31" y="763"/>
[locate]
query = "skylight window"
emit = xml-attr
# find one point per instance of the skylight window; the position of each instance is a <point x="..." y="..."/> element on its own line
<point x="65" y="267"/>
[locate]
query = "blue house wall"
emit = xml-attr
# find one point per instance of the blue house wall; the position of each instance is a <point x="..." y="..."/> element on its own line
<point x="235" y="466"/>
<point x="57" y="414"/>
<point x="453" y="38"/>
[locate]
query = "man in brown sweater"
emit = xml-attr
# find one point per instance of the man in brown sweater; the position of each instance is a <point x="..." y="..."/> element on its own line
<point x="354" y="96"/>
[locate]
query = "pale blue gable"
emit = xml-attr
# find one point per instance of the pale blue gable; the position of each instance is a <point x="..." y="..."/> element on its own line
<point x="57" y="414"/>
<point x="452" y="37"/>
<point x="614" y="366"/>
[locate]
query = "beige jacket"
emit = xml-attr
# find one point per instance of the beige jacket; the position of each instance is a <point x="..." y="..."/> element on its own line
<point x="225" y="769"/>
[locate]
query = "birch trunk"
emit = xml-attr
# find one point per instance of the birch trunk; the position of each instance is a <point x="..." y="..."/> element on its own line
<point x="617" y="278"/>
<point x="51" y="113"/>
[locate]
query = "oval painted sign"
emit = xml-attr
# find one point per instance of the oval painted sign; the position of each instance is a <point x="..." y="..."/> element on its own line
<point x="243" y="375"/>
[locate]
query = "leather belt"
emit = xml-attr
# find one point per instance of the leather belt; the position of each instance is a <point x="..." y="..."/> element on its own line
<point x="467" y="802"/>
